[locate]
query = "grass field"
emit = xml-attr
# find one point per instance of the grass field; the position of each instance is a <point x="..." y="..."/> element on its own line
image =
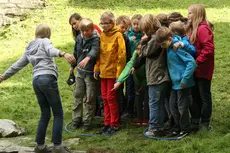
<point x="18" y="101"/>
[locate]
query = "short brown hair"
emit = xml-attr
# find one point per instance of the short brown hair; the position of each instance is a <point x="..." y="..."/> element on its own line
<point x="149" y="23"/>
<point x="124" y="19"/>
<point x="43" y="31"/>
<point x="176" y="16"/>
<point x="177" y="28"/>
<point x="108" y="15"/>
<point x="163" y="34"/>
<point x="85" y="24"/>
<point x="163" y="18"/>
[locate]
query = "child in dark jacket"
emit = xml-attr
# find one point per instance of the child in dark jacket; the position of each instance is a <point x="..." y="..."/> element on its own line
<point x="141" y="90"/>
<point x="156" y="74"/>
<point x="124" y="22"/>
<point x="135" y="36"/>
<point x="181" y="66"/>
<point x="86" y="52"/>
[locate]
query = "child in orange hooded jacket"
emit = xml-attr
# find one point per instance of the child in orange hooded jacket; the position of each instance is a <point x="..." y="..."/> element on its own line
<point x="109" y="65"/>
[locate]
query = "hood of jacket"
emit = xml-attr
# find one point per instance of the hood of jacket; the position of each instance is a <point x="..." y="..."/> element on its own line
<point x="112" y="31"/>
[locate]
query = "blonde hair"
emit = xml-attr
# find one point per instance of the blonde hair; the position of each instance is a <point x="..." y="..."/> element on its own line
<point x="163" y="34"/>
<point x="124" y="19"/>
<point x="149" y="24"/>
<point x="108" y="15"/>
<point x="86" y="24"/>
<point x="177" y="28"/>
<point x="199" y="15"/>
<point x="136" y="16"/>
<point x="163" y="19"/>
<point x="43" y="31"/>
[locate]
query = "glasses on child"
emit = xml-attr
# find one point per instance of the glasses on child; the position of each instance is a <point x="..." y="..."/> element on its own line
<point x="104" y="23"/>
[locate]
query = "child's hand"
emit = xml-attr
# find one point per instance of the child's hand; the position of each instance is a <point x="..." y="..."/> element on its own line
<point x="71" y="70"/>
<point x="116" y="86"/>
<point x="70" y="58"/>
<point x="144" y="38"/>
<point x="1" y="78"/>
<point x="182" y="85"/>
<point x="133" y="37"/>
<point x="96" y="75"/>
<point x="132" y="70"/>
<point x="177" y="45"/>
<point x="83" y="63"/>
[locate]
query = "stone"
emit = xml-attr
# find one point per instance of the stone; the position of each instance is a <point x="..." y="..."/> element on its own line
<point x="16" y="1"/>
<point x="71" y="142"/>
<point x="9" y="129"/>
<point x="3" y="1"/>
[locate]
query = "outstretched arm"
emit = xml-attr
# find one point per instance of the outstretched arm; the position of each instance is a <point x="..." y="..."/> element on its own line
<point x="17" y="66"/>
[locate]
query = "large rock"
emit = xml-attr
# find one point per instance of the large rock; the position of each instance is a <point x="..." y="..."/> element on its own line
<point x="12" y="11"/>
<point x="9" y="129"/>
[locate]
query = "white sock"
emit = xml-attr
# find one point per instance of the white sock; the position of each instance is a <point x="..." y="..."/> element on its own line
<point x="41" y="146"/>
<point x="57" y="146"/>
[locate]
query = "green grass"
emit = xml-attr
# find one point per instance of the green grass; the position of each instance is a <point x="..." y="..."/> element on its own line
<point x="18" y="101"/>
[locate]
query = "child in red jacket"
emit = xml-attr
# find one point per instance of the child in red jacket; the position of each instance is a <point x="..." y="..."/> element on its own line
<point x="200" y="34"/>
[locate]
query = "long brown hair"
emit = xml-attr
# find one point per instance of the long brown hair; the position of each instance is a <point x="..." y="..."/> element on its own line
<point x="77" y="17"/>
<point x="199" y="15"/>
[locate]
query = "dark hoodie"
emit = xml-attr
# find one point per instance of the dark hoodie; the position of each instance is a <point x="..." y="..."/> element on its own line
<point x="40" y="53"/>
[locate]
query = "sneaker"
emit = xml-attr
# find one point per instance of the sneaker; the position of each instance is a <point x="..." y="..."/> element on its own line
<point x="113" y="129"/>
<point x="205" y="127"/>
<point x="183" y="133"/>
<point x="86" y="127"/>
<point x="44" y="150"/>
<point x="104" y="129"/>
<point x="145" y="122"/>
<point x="194" y="128"/>
<point x="76" y="124"/>
<point x="61" y="150"/>
<point x="155" y="132"/>
<point x="138" y="122"/>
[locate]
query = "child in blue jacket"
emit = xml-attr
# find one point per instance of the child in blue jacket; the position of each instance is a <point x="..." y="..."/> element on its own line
<point x="181" y="66"/>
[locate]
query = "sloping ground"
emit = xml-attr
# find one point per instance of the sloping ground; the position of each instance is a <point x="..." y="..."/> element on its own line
<point x="18" y="101"/>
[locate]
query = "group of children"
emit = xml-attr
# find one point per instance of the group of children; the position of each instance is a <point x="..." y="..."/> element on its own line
<point x="166" y="61"/>
<point x="165" y="74"/>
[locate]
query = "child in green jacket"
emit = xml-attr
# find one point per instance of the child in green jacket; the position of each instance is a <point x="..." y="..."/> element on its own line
<point x="141" y="91"/>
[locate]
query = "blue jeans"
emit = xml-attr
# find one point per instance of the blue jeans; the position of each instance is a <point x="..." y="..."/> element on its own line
<point x="157" y="95"/>
<point x="46" y="90"/>
<point x="201" y="109"/>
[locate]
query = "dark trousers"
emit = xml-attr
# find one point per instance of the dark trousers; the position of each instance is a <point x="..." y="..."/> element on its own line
<point x="130" y="91"/>
<point x="46" y="90"/>
<point x="201" y="109"/>
<point x="142" y="102"/>
<point x="121" y="100"/>
<point x="180" y="101"/>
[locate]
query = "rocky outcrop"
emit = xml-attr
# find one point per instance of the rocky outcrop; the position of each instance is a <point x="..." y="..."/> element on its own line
<point x="13" y="10"/>
<point x="9" y="129"/>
